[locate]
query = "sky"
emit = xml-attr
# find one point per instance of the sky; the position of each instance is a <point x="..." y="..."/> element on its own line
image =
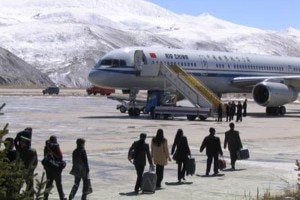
<point x="264" y="14"/>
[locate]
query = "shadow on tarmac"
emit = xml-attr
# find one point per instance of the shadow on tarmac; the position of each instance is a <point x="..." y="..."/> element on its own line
<point x="210" y="176"/>
<point x="178" y="183"/>
<point x="128" y="194"/>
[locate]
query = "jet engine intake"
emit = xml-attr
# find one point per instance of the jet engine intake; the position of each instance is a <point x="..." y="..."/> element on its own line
<point x="272" y="94"/>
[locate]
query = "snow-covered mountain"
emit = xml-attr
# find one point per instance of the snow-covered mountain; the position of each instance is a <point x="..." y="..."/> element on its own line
<point x="15" y="72"/>
<point x="65" y="38"/>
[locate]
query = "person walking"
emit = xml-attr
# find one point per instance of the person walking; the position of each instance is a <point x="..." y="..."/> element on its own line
<point x="140" y="150"/>
<point x="9" y="151"/>
<point x="53" y="152"/>
<point x="213" y="149"/>
<point x="27" y="133"/>
<point x="228" y="115"/>
<point x="220" y="112"/>
<point x="80" y="169"/>
<point x="239" y="112"/>
<point x="160" y="155"/>
<point x="245" y="108"/>
<point x="181" y="152"/>
<point x="232" y="110"/>
<point x="29" y="157"/>
<point x="232" y="138"/>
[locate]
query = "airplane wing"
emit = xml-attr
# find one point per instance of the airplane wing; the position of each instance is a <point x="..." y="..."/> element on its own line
<point x="293" y="81"/>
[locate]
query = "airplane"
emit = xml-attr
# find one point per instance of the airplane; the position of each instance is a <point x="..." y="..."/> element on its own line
<point x="273" y="80"/>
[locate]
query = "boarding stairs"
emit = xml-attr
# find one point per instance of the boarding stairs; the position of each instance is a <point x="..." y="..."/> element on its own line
<point x="190" y="87"/>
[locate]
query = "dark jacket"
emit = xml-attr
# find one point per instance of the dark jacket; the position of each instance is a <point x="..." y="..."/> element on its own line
<point x="212" y="145"/>
<point x="80" y="166"/>
<point x="183" y="150"/>
<point x="232" y="138"/>
<point x="29" y="157"/>
<point x="141" y="150"/>
<point x="52" y="152"/>
<point x="175" y="146"/>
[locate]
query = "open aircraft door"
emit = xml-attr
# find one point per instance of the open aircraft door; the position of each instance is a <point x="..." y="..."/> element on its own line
<point x="141" y="65"/>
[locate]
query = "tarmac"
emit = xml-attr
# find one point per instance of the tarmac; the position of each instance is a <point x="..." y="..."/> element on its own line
<point x="273" y="143"/>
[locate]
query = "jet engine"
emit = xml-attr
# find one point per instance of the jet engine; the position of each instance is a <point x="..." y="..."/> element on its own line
<point x="273" y="94"/>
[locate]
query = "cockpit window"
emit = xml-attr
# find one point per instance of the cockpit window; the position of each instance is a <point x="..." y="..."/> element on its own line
<point x="106" y="62"/>
<point x="122" y="63"/>
<point x="113" y="62"/>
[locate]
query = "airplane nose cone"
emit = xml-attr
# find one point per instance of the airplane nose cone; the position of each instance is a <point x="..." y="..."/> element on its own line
<point x="92" y="77"/>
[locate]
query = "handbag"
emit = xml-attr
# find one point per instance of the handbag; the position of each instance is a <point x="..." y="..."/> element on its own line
<point x="131" y="154"/>
<point x="221" y="163"/>
<point x="89" y="186"/>
<point x="88" y="189"/>
<point x="78" y="170"/>
<point x="52" y="163"/>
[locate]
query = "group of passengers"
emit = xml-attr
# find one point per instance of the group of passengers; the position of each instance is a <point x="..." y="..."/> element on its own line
<point x="159" y="154"/>
<point x="53" y="164"/>
<point x="232" y="109"/>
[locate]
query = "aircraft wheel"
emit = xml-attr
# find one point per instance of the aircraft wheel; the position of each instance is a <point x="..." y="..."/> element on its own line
<point x="130" y="112"/>
<point x="276" y="111"/>
<point x="152" y="113"/>
<point x="191" y="117"/>
<point x="136" y="112"/>
<point x="282" y="110"/>
<point x="144" y="110"/>
<point x="123" y="109"/>
<point x="269" y="110"/>
<point x="202" y="118"/>
<point x="166" y="116"/>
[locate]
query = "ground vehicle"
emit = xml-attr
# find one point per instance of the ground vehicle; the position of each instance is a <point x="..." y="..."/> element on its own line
<point x="51" y="90"/>
<point x="160" y="104"/>
<point x="134" y="108"/>
<point x="103" y="91"/>
<point x="163" y="104"/>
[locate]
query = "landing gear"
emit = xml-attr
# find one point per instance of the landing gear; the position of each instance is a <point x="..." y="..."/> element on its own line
<point x="133" y="111"/>
<point x="280" y="110"/>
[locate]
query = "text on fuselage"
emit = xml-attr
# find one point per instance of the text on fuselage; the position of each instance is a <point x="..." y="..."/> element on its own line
<point x="176" y="56"/>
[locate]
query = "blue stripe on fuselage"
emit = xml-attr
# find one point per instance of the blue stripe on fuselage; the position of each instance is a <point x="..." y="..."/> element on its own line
<point x="211" y="73"/>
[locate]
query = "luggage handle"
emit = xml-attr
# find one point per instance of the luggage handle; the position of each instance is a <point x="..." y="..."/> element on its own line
<point x="152" y="168"/>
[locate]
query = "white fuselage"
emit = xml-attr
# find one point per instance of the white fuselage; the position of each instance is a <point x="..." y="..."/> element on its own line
<point x="216" y="70"/>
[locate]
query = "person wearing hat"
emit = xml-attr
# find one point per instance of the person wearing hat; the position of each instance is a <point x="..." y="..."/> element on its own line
<point x="27" y="133"/>
<point x="29" y="157"/>
<point x="141" y="150"/>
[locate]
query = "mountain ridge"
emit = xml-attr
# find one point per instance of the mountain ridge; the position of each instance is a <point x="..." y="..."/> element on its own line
<point x="65" y="39"/>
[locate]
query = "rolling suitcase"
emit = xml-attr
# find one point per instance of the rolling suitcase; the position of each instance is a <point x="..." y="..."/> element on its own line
<point x="149" y="182"/>
<point x="243" y="154"/>
<point x="221" y="163"/>
<point x="190" y="166"/>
